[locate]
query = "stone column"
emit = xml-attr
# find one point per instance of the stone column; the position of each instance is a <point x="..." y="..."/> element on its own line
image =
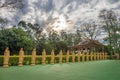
<point x="6" y="58"/>
<point x="52" y="57"/>
<point x="33" y="57"/>
<point x="73" y="56"/>
<point x="44" y="57"/>
<point x="21" y="57"/>
<point x="67" y="57"/>
<point x="60" y="57"/>
<point x="79" y="55"/>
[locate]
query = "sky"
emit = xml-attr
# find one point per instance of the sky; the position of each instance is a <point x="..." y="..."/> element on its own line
<point x="57" y="14"/>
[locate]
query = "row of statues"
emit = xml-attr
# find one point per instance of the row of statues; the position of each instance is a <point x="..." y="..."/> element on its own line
<point x="80" y="57"/>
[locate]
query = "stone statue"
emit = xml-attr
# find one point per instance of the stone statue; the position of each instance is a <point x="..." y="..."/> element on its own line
<point x="21" y="57"/>
<point x="6" y="58"/>
<point x="33" y="57"/>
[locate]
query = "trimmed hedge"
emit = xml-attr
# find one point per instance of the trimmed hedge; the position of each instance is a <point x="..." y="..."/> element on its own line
<point x="1" y="60"/>
<point x="27" y="59"/>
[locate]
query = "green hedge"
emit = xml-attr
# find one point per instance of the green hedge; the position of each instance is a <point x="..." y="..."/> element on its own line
<point x="1" y="60"/>
<point x="27" y="60"/>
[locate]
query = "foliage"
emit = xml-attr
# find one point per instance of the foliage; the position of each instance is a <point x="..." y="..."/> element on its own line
<point x="14" y="39"/>
<point x="108" y="49"/>
<point x="1" y="60"/>
<point x="13" y="61"/>
<point x="47" y="46"/>
<point x="61" y="45"/>
<point x="33" y="31"/>
<point x="89" y="30"/>
<point x="48" y="40"/>
<point x="111" y="25"/>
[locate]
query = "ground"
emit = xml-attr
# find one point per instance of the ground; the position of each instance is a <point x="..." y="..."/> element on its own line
<point x="95" y="70"/>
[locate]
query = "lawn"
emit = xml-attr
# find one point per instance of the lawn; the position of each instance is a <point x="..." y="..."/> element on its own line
<point x="94" y="70"/>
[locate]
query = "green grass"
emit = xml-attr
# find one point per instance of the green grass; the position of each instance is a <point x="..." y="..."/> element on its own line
<point x="95" y="70"/>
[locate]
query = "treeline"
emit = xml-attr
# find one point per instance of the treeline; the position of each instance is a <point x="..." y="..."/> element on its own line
<point x="16" y="38"/>
<point x="29" y="36"/>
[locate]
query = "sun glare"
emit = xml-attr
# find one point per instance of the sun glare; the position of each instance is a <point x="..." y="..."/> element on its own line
<point x="60" y="24"/>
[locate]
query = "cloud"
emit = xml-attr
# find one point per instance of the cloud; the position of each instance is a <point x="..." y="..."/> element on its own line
<point x="41" y="11"/>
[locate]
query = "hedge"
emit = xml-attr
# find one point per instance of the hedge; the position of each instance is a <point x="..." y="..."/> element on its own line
<point x="27" y="59"/>
<point x="1" y="60"/>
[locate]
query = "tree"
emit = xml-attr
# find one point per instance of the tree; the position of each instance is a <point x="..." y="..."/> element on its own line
<point x="34" y="31"/>
<point x="70" y="38"/>
<point x="63" y="35"/>
<point x="111" y="25"/>
<point x="3" y="23"/>
<point x="61" y="45"/>
<point x="53" y="35"/>
<point x="89" y="30"/>
<point x="14" y="39"/>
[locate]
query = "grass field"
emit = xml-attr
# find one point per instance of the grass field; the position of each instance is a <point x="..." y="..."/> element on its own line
<point x="95" y="70"/>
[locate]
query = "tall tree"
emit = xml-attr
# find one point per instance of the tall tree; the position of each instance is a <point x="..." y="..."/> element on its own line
<point x="89" y="30"/>
<point x="111" y="25"/>
<point x="14" y="39"/>
<point x="34" y="31"/>
<point x="63" y="35"/>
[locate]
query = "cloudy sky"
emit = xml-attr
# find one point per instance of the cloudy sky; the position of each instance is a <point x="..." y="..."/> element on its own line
<point x="59" y="14"/>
